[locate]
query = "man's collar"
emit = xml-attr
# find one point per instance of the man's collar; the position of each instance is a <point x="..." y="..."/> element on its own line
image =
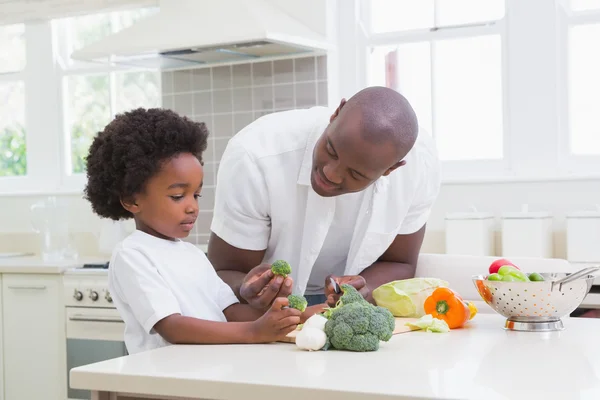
<point x="306" y="167"/>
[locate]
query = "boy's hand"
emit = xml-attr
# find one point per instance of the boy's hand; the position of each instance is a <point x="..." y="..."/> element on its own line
<point x="260" y="287"/>
<point x="276" y="323"/>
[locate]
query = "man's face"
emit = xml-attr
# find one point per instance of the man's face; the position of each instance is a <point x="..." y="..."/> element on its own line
<point x="344" y="162"/>
<point x="168" y="206"/>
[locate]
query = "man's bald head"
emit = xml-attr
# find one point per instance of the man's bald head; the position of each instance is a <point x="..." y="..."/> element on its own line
<point x="368" y="137"/>
<point x="384" y="116"/>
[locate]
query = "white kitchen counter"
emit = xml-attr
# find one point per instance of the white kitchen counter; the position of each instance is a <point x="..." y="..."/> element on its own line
<point x="481" y="361"/>
<point x="36" y="265"/>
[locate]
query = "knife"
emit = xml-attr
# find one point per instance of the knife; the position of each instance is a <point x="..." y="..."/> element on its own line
<point x="336" y="287"/>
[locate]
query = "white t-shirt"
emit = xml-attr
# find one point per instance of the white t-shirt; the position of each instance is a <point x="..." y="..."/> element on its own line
<point x="334" y="253"/>
<point x="151" y="278"/>
<point x="264" y="199"/>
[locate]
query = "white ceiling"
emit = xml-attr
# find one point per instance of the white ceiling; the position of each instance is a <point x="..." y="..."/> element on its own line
<point x="17" y="11"/>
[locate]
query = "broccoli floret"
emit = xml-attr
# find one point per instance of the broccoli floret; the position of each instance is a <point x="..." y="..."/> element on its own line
<point x="350" y="295"/>
<point x="298" y="302"/>
<point x="281" y="267"/>
<point x="359" y="326"/>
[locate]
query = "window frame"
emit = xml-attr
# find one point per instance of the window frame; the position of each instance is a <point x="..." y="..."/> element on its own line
<point x="47" y="134"/>
<point x="456" y="168"/>
<point x="534" y="88"/>
<point x="574" y="164"/>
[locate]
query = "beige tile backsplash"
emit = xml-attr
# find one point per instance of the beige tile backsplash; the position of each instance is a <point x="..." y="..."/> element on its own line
<point x="228" y="98"/>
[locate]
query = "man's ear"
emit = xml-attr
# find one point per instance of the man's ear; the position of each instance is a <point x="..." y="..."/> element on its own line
<point x="337" y="110"/>
<point x="393" y="167"/>
<point x="130" y="204"/>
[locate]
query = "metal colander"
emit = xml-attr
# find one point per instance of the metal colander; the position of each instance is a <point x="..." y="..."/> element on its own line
<point x="536" y="306"/>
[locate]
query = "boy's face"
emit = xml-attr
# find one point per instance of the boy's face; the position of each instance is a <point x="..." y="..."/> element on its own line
<point x="168" y="206"/>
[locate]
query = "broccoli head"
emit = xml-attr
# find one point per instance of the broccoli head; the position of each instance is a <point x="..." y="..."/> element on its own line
<point x="298" y="302"/>
<point x="281" y="267"/>
<point x="359" y="326"/>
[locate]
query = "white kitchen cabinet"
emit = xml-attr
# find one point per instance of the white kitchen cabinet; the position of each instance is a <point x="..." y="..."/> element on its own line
<point x="33" y="328"/>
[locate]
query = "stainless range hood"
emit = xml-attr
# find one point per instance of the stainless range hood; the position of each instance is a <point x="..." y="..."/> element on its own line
<point x="199" y="32"/>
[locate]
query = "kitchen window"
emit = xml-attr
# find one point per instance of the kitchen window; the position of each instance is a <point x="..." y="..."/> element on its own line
<point x="583" y="83"/>
<point x="52" y="106"/>
<point x="93" y="94"/>
<point x="13" y="154"/>
<point x="446" y="58"/>
<point x="506" y="87"/>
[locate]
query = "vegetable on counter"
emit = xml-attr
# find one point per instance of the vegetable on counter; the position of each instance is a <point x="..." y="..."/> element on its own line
<point x="298" y="302"/>
<point x="405" y="298"/>
<point x="447" y="305"/>
<point x="357" y="325"/>
<point x="430" y="324"/>
<point x="472" y="309"/>
<point x="282" y="268"/>
<point x="312" y="337"/>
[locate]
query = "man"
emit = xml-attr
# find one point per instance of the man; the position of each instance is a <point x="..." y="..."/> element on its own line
<point x="343" y="196"/>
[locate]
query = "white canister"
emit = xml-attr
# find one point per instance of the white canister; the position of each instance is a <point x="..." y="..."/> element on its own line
<point x="583" y="236"/>
<point x="470" y="233"/>
<point x="527" y="234"/>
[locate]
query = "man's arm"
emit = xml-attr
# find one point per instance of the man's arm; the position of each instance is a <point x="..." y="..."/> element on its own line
<point x="242" y="313"/>
<point x="252" y="283"/>
<point x="399" y="261"/>
<point x="231" y="263"/>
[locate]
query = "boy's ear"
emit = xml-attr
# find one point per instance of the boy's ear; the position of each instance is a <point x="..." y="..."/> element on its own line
<point x="130" y="204"/>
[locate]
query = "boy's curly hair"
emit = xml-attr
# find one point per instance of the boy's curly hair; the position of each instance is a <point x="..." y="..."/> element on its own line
<point x="130" y="150"/>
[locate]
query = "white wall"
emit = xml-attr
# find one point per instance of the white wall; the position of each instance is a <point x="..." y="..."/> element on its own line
<point x="556" y="197"/>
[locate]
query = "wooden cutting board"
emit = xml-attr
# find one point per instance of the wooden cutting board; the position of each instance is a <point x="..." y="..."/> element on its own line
<point x="400" y="328"/>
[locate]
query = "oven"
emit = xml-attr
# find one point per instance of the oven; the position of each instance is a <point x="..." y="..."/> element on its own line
<point x="93" y="325"/>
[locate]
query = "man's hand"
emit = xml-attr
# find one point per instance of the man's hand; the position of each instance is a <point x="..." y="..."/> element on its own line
<point x="357" y="281"/>
<point x="260" y="287"/>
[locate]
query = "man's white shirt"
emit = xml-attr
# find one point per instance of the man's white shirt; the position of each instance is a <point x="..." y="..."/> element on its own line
<point x="264" y="200"/>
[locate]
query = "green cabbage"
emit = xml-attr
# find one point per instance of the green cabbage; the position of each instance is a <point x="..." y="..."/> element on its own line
<point x="406" y="298"/>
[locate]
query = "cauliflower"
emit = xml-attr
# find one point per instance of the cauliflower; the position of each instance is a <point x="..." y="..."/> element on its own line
<point x="298" y="302"/>
<point x="357" y="325"/>
<point x="281" y="267"/>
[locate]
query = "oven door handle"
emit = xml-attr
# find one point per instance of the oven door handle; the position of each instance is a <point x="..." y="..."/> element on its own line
<point x="94" y="318"/>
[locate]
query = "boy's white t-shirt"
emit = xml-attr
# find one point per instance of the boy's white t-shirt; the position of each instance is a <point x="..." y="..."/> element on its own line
<point x="151" y="278"/>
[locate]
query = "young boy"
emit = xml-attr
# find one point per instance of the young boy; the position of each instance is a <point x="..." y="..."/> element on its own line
<point x="147" y="165"/>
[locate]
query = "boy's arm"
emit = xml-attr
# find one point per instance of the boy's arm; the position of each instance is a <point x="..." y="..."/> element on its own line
<point x="275" y="324"/>
<point x="177" y="329"/>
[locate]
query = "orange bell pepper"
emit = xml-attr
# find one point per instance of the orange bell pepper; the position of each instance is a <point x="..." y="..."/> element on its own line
<point x="447" y="305"/>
